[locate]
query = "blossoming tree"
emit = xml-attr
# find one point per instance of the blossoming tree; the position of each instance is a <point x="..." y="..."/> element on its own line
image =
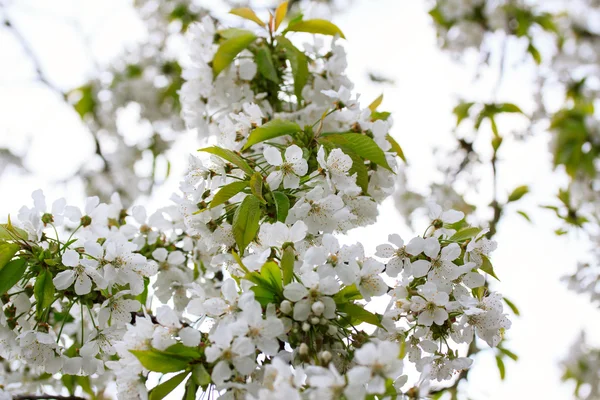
<point x="241" y="287"/>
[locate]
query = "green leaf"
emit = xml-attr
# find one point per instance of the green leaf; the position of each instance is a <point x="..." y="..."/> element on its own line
<point x="7" y="252"/>
<point x="347" y="294"/>
<point x="299" y="63"/>
<point x="320" y="26"/>
<point x="509" y="353"/>
<point x="246" y="222"/>
<point x="264" y="63"/>
<point x="518" y="193"/>
<point x="396" y="147"/>
<point x="159" y="361"/>
<point x="462" y="111"/>
<point x="282" y="205"/>
<point x="227" y="192"/>
<point x="376" y="103"/>
<point x="512" y="306"/>
<point x="248" y="14"/>
<point x="537" y="57"/>
<point x="280" y="14"/>
<point x="270" y="130"/>
<point x="508" y="108"/>
<point x="191" y="388"/>
<point x="264" y="295"/>
<point x="287" y="264"/>
<point x="256" y="186"/>
<point x="179" y="349"/>
<point x="43" y="291"/>
<point x="10" y="232"/>
<point x="11" y="273"/>
<point x="230" y="156"/>
<point x="85" y="102"/>
<point x="271" y="273"/>
<point x="200" y="375"/>
<point x="161" y="391"/>
<point x="465" y="233"/>
<point x="487" y="267"/>
<point x="501" y="368"/>
<point x="360" y="169"/>
<point x="362" y="145"/>
<point x="229" y="49"/>
<point x="355" y="311"/>
<point x="524" y="215"/>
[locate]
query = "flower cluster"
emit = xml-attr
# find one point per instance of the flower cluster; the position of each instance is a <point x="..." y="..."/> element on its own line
<point x="242" y="287"/>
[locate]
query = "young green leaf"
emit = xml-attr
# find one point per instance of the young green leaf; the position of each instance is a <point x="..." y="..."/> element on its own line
<point x="9" y="232"/>
<point x="256" y="186"/>
<point x="362" y="145"/>
<point x="282" y="205"/>
<point x="299" y="63"/>
<point x="287" y="264"/>
<point x="270" y="130"/>
<point x="501" y="368"/>
<point x="347" y="294"/>
<point x="487" y="267"/>
<point x="200" y="375"/>
<point x="227" y="192"/>
<point x="319" y="26"/>
<point x="512" y="306"/>
<point x="524" y="215"/>
<point x="355" y="311"/>
<point x="43" y="291"/>
<point x="246" y="222"/>
<point x="230" y="156"/>
<point x="280" y="14"/>
<point x="7" y="252"/>
<point x="158" y="361"/>
<point x="11" y="273"/>
<point x="271" y="273"/>
<point x="376" y="103"/>
<point x="465" y="233"/>
<point x="462" y="111"/>
<point x="161" y="391"/>
<point x="248" y="14"/>
<point x="518" y="193"/>
<point x="509" y="353"/>
<point x="396" y="147"/>
<point x="229" y="49"/>
<point x="264" y="63"/>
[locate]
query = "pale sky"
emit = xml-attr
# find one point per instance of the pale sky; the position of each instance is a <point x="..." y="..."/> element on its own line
<point x="392" y="37"/>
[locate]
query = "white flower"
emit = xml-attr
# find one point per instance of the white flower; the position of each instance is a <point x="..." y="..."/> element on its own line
<point x="447" y="217"/>
<point x="77" y="273"/>
<point x="370" y="281"/>
<point x="440" y="268"/>
<point x="275" y="235"/>
<point x="399" y="255"/>
<point x="430" y="304"/>
<point x="376" y="362"/>
<point x="289" y="170"/>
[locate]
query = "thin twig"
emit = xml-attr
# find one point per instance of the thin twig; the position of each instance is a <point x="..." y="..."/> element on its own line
<point x="46" y="396"/>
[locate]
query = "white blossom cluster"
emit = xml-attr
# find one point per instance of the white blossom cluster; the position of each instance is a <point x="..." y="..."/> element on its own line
<point x="242" y="287"/>
<point x="582" y="365"/>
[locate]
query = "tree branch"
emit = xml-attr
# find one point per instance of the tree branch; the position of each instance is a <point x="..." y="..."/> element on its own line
<point x="46" y="396"/>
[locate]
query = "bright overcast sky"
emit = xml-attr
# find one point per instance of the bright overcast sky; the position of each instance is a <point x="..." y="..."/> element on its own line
<point x="392" y="37"/>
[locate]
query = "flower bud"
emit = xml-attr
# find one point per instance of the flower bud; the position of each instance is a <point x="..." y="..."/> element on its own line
<point x="332" y="330"/>
<point x="325" y="356"/>
<point x="318" y="307"/>
<point x="303" y="349"/>
<point x="285" y="307"/>
<point x="315" y="320"/>
<point x="306" y="327"/>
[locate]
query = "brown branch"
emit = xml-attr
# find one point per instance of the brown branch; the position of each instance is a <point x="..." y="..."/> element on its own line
<point x="46" y="396"/>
